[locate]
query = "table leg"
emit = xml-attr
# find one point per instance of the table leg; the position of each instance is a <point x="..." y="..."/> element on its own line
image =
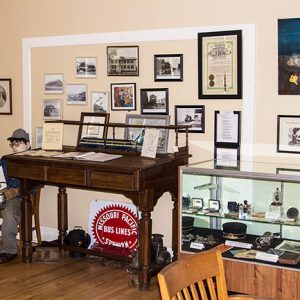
<point x="26" y="228"/>
<point x="175" y="228"/>
<point x="145" y="229"/>
<point x="62" y="211"/>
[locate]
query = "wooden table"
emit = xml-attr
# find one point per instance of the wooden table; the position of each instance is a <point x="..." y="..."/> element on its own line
<point x="140" y="179"/>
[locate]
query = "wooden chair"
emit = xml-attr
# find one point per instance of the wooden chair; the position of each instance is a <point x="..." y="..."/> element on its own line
<point x="198" y="276"/>
<point x="35" y="202"/>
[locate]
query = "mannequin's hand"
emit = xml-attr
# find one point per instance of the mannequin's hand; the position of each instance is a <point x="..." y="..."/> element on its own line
<point x="11" y="193"/>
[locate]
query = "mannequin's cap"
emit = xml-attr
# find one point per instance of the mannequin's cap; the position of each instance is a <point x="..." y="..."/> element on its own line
<point x="19" y="134"/>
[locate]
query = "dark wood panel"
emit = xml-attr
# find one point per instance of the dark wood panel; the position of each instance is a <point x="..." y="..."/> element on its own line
<point x="21" y="170"/>
<point x="115" y="181"/>
<point x="66" y="176"/>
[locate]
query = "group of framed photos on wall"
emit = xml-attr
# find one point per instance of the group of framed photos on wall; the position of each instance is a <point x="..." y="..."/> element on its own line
<point x="219" y="77"/>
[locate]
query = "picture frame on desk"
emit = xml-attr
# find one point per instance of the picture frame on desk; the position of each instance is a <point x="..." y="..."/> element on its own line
<point x="137" y="133"/>
<point x="168" y="67"/>
<point x="288" y="133"/>
<point x="5" y="97"/>
<point x="155" y="101"/>
<point x="220" y="65"/>
<point x="93" y="131"/>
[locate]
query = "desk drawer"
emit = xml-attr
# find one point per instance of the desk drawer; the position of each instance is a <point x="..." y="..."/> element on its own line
<point x="66" y="176"/>
<point x="116" y="181"/>
<point x="21" y="170"/>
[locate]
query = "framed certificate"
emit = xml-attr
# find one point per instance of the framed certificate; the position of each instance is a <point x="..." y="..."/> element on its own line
<point x="220" y="65"/>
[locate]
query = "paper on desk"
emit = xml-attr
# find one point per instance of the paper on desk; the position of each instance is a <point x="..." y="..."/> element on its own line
<point x="90" y="156"/>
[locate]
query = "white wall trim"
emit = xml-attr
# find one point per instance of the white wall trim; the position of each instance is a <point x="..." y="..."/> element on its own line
<point x="185" y="33"/>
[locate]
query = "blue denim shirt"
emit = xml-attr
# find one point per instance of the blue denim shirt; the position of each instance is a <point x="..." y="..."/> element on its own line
<point x="10" y="181"/>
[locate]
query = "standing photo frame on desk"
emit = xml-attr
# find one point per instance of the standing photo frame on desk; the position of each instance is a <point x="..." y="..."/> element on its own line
<point x="93" y="131"/>
<point x="220" y="65"/>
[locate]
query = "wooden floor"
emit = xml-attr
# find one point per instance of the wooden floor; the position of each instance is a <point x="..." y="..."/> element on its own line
<point x="71" y="278"/>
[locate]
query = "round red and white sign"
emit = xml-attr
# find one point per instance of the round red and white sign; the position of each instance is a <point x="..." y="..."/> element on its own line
<point x="116" y="225"/>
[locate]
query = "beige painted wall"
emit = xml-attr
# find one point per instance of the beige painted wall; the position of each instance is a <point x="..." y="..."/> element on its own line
<point x="29" y="18"/>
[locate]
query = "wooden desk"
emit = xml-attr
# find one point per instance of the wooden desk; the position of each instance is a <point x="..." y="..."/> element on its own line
<point x="140" y="179"/>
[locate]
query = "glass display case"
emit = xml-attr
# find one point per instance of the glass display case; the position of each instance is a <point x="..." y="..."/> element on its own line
<point x="216" y="200"/>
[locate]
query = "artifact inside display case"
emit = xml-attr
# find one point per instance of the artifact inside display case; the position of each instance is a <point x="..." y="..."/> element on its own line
<point x="253" y="228"/>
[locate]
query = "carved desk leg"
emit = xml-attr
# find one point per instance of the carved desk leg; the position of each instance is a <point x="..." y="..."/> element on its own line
<point x="145" y="231"/>
<point x="26" y="222"/>
<point x="62" y="211"/>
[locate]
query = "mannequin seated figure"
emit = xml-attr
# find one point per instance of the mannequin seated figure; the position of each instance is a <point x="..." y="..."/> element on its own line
<point x="11" y="213"/>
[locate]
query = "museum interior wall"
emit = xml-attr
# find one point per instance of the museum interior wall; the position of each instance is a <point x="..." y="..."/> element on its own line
<point x="29" y="19"/>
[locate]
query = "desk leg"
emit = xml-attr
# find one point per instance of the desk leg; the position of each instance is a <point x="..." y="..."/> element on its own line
<point x="26" y="222"/>
<point x="62" y="211"/>
<point x="175" y="228"/>
<point x="145" y="229"/>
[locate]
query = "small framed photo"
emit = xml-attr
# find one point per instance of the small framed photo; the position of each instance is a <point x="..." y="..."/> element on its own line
<point x="168" y="67"/>
<point x="193" y="115"/>
<point x="214" y="205"/>
<point x="197" y="203"/>
<point x="86" y="67"/>
<point x="137" y="134"/>
<point x="5" y="97"/>
<point x="123" y="96"/>
<point x="288" y="133"/>
<point x="100" y="102"/>
<point x="77" y="94"/>
<point x="52" y="109"/>
<point x="54" y="83"/>
<point x="93" y="130"/>
<point x="122" y="61"/>
<point x="155" y="101"/>
<point x="220" y="65"/>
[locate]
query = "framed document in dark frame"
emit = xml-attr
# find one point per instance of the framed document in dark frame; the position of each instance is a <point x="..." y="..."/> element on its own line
<point x="220" y="65"/>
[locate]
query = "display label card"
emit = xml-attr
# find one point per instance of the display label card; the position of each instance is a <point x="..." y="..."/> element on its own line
<point x="272" y="215"/>
<point x="238" y="244"/>
<point x="3" y="184"/>
<point x="266" y="256"/>
<point x="198" y="246"/>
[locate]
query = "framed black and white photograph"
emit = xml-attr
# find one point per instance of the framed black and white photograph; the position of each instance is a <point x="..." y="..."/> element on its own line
<point x="193" y="115"/>
<point x="137" y="134"/>
<point x="54" y="83"/>
<point x="123" y="96"/>
<point x="100" y="102"/>
<point x="220" y="65"/>
<point x="77" y="94"/>
<point x="227" y="129"/>
<point x="123" y="61"/>
<point x="52" y="109"/>
<point x="288" y="133"/>
<point x="155" y="101"/>
<point x="93" y="130"/>
<point x="168" y="67"/>
<point x="5" y="97"/>
<point x="86" y="67"/>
